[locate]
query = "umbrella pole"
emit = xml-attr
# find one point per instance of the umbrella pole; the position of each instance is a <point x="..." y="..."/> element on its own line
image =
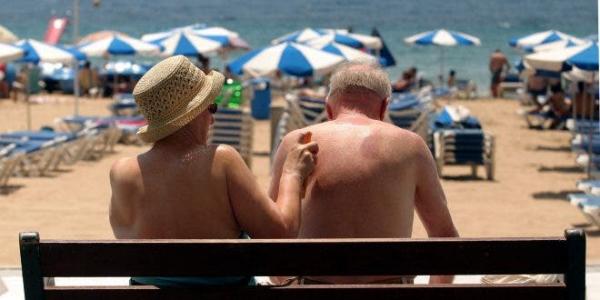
<point x="27" y="85"/>
<point x="441" y="65"/>
<point x="76" y="86"/>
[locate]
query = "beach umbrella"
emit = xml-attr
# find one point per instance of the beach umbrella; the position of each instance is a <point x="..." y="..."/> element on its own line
<point x="540" y="38"/>
<point x="119" y="45"/>
<point x="233" y="38"/>
<point x="288" y="58"/>
<point x="346" y="52"/>
<point x="354" y="40"/>
<point x="189" y="44"/>
<point x="98" y="35"/>
<point x="301" y="36"/>
<point x="36" y="52"/>
<point x="10" y="53"/>
<point x="555" y="45"/>
<point x="6" y="36"/>
<point x="584" y="57"/>
<point x="443" y="38"/>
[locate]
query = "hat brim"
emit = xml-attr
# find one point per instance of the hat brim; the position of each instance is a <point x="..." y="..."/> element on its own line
<point x="200" y="102"/>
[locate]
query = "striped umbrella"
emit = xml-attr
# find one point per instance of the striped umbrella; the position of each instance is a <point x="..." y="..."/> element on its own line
<point x="36" y="52"/>
<point x="189" y="44"/>
<point x="6" y="36"/>
<point x="443" y="37"/>
<point x="287" y="58"/>
<point x="10" y="53"/>
<point x="354" y="40"/>
<point x="305" y="35"/>
<point x="346" y="52"/>
<point x="540" y="38"/>
<point x="555" y="45"/>
<point x="225" y="36"/>
<point x="583" y="57"/>
<point x="119" y="45"/>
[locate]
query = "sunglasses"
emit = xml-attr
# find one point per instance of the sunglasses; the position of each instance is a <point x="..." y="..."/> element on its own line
<point x="212" y="108"/>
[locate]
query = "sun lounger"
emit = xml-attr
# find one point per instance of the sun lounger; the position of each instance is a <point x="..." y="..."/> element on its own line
<point x="38" y="156"/>
<point x="589" y="206"/>
<point x="464" y="147"/>
<point x="8" y="162"/>
<point x="233" y="127"/>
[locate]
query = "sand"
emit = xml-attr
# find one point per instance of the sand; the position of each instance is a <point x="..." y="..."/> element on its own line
<point x="535" y="170"/>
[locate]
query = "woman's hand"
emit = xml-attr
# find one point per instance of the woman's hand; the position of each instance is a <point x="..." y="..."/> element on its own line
<point x="301" y="158"/>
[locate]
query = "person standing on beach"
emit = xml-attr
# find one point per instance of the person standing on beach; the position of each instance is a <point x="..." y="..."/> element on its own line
<point x="183" y="188"/>
<point x="497" y="63"/>
<point x="371" y="174"/>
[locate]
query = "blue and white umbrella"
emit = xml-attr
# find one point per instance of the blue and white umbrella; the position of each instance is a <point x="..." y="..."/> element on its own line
<point x="555" y="45"/>
<point x="36" y="52"/>
<point x="540" y="38"/>
<point x="304" y="35"/>
<point x="190" y="44"/>
<point x="583" y="57"/>
<point x="348" y="53"/>
<point x="288" y="58"/>
<point x="220" y="34"/>
<point x="445" y="38"/>
<point x="354" y="40"/>
<point x="119" y="45"/>
<point x="10" y="53"/>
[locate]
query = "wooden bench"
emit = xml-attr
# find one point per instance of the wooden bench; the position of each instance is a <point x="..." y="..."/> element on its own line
<point x="56" y="258"/>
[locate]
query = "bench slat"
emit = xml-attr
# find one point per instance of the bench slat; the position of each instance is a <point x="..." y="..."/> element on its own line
<point x="303" y="257"/>
<point x="488" y="292"/>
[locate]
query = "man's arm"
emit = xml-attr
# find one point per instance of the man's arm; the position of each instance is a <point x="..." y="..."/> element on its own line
<point x="253" y="208"/>
<point x="430" y="202"/>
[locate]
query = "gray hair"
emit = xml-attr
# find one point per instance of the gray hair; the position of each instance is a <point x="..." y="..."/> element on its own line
<point x="364" y="74"/>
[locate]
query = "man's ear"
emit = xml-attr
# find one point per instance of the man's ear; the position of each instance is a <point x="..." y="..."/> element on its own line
<point x="329" y="110"/>
<point x="383" y="108"/>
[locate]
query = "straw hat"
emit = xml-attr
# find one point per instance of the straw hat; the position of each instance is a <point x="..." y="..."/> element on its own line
<point x="172" y="94"/>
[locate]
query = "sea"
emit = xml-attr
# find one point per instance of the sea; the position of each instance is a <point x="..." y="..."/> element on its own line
<point x="260" y="21"/>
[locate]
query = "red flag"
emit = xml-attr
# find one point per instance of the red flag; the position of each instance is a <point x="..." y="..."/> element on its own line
<point x="56" y="28"/>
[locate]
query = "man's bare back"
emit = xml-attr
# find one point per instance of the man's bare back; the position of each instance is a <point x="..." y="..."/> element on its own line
<point x="363" y="186"/>
<point x="371" y="175"/>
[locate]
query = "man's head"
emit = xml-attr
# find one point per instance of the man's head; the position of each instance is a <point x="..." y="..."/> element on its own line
<point x="173" y="94"/>
<point x="360" y="86"/>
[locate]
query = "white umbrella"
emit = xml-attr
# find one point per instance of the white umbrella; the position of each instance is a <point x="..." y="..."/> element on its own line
<point x="119" y="45"/>
<point x="189" y="44"/>
<point x="6" y="36"/>
<point x="540" y="38"/>
<point x="36" y="52"/>
<point x="9" y="53"/>
<point x="444" y="38"/>
<point x="347" y="52"/>
<point x="558" y="60"/>
<point x="304" y="35"/>
<point x="287" y="58"/>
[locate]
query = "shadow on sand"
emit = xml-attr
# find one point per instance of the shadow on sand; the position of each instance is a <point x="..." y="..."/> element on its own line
<point x="554" y="149"/>
<point x="561" y="169"/>
<point x="562" y="195"/>
<point x="9" y="189"/>
<point x="464" y="178"/>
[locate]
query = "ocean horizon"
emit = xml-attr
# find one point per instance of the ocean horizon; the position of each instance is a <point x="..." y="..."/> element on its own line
<point x="260" y="21"/>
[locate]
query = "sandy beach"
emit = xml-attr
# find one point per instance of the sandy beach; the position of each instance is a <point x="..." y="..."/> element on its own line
<point x="535" y="170"/>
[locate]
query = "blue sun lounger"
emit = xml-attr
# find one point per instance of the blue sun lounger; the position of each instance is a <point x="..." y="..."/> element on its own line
<point x="461" y="142"/>
<point x="37" y="158"/>
<point x="233" y="127"/>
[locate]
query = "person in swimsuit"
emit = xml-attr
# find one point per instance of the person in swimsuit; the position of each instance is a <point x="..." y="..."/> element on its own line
<point x="183" y="188"/>
<point x="371" y="175"/>
<point x="498" y="62"/>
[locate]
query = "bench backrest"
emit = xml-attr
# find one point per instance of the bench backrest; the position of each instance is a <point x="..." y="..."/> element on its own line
<point x="123" y="258"/>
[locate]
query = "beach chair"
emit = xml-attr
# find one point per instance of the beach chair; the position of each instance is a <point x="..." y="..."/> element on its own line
<point x="404" y="110"/>
<point x="457" y="139"/>
<point x="306" y="110"/>
<point x="465" y="147"/>
<point x="589" y="205"/>
<point x="124" y="105"/>
<point x="233" y="127"/>
<point x="38" y="156"/>
<point x="8" y="162"/>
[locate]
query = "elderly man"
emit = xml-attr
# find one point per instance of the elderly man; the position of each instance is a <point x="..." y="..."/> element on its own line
<point x="183" y="188"/>
<point x="371" y="174"/>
